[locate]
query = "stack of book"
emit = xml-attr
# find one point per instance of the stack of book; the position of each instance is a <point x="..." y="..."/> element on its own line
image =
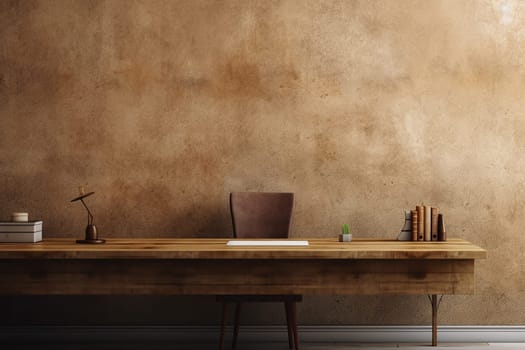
<point x="21" y="232"/>
<point x="427" y="224"/>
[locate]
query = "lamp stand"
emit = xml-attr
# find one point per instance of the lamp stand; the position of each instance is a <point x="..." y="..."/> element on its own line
<point x="91" y="229"/>
<point x="91" y="236"/>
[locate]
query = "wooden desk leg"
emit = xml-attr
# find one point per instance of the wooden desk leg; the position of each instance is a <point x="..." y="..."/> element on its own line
<point x="293" y="313"/>
<point x="237" y="324"/>
<point x="435" y="306"/>
<point x="289" y="323"/>
<point x="434" y="320"/>
<point x="223" y="324"/>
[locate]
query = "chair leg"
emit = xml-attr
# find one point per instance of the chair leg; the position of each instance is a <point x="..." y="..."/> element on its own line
<point x="237" y="323"/>
<point x="293" y="313"/>
<point x="223" y="324"/>
<point x="289" y="323"/>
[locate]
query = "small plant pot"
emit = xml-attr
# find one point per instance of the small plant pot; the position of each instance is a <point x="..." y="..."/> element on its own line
<point x="345" y="237"/>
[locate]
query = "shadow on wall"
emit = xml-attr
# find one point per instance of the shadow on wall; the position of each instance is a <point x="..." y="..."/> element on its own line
<point x="204" y="221"/>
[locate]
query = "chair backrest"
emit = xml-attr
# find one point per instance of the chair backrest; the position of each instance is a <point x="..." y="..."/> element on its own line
<point x="261" y="214"/>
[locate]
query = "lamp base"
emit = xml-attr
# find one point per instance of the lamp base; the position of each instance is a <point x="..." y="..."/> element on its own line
<point x="91" y="236"/>
<point x="91" y="241"/>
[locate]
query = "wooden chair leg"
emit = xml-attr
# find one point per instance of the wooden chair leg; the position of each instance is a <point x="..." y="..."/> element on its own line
<point x="237" y="323"/>
<point x="289" y="323"/>
<point x="223" y="324"/>
<point x="293" y="313"/>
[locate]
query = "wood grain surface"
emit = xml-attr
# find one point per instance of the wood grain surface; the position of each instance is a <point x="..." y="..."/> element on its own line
<point x="196" y="248"/>
<point x="208" y="266"/>
<point x="232" y="276"/>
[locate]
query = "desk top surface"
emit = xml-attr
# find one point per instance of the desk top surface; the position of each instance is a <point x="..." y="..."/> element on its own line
<point x="216" y="248"/>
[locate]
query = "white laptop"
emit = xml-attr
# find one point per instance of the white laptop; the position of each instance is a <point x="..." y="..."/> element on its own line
<point x="267" y="243"/>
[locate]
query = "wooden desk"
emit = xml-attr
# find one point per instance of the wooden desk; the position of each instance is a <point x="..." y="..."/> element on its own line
<point x="208" y="266"/>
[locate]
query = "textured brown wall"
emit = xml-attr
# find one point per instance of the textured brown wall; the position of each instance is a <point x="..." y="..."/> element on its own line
<point x="363" y="108"/>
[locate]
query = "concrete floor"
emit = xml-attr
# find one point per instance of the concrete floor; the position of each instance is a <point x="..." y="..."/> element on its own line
<point x="339" y="346"/>
<point x="462" y="346"/>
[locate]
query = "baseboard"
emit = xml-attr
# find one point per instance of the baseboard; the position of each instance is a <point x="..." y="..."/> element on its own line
<point x="260" y="334"/>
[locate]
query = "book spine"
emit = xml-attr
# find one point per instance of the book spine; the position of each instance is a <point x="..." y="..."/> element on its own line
<point x="413" y="215"/>
<point x="434" y="223"/>
<point x="428" y="235"/>
<point x="20" y="228"/>
<point x="21" y="223"/>
<point x="442" y="233"/>
<point x="420" y="223"/>
<point x="20" y="237"/>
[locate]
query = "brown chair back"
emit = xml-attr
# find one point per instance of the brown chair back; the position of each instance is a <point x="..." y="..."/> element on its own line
<point x="261" y="214"/>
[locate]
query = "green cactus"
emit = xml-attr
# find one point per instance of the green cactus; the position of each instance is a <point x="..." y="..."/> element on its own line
<point x="345" y="229"/>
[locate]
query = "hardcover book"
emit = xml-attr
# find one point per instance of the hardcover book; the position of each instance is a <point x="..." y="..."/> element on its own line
<point x="434" y="223"/>
<point x="413" y="214"/>
<point x="428" y="235"/>
<point x="30" y="226"/>
<point x="20" y="237"/>
<point x="442" y="233"/>
<point x="420" y="223"/>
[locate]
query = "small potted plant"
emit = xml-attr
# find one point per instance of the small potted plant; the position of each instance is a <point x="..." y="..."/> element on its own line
<point x="345" y="235"/>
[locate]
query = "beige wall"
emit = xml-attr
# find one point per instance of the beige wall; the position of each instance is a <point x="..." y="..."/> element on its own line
<point x="363" y="108"/>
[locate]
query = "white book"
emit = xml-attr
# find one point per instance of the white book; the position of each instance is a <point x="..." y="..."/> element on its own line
<point x="30" y="226"/>
<point x="267" y="243"/>
<point x="20" y="237"/>
<point x="428" y="235"/>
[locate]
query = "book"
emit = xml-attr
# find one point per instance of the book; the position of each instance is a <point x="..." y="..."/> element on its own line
<point x="434" y="223"/>
<point x="413" y="214"/>
<point x="442" y="233"/>
<point x="20" y="237"/>
<point x="420" y="223"/>
<point x="30" y="226"/>
<point x="428" y="235"/>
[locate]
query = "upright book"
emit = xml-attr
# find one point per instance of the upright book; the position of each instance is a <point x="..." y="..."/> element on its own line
<point x="420" y="223"/>
<point x="442" y="233"/>
<point x="413" y="214"/>
<point x="428" y="235"/>
<point x="434" y="223"/>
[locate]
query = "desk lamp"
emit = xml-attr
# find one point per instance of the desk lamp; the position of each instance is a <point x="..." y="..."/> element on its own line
<point x="91" y="229"/>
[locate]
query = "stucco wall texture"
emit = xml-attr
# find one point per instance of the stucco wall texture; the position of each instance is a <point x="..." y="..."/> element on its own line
<point x="362" y="108"/>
